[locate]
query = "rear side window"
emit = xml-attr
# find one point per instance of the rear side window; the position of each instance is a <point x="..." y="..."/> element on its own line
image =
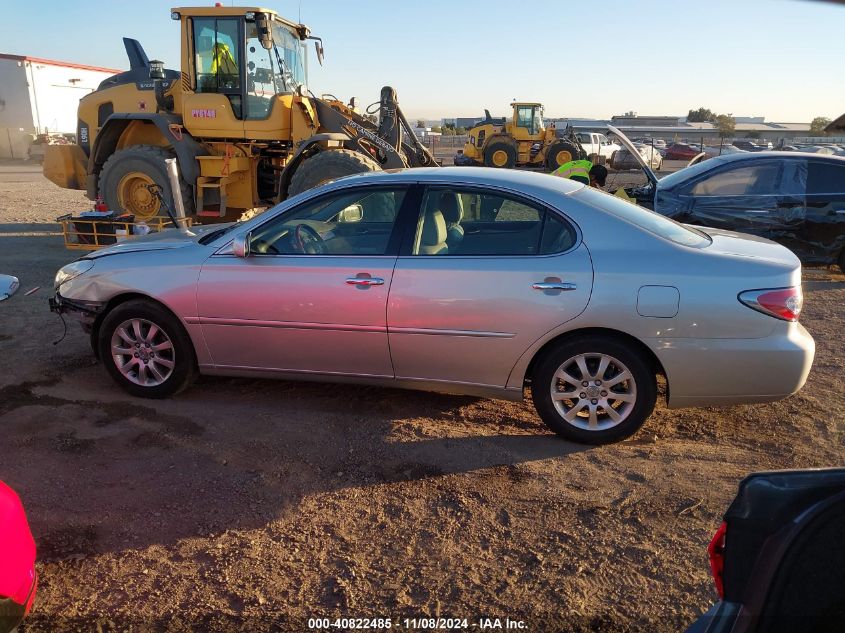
<point x="760" y="179"/>
<point x="643" y="218"/>
<point x="488" y="224"/>
<point x="825" y="178"/>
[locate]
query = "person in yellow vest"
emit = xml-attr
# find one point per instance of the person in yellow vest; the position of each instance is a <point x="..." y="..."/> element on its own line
<point x="578" y="170"/>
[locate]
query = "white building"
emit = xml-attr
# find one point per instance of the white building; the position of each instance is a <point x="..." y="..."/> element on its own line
<point x="39" y="96"/>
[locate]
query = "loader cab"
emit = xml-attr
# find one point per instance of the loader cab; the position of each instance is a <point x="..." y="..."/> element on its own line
<point x="241" y="68"/>
<point x="528" y="121"/>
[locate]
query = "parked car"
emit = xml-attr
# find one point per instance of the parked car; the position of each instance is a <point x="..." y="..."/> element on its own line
<point x="458" y="279"/>
<point x="794" y="198"/>
<point x="18" y="578"/>
<point x="751" y="146"/>
<point x="682" y="151"/>
<point x="777" y="559"/>
<point x="623" y="159"/>
<point x="822" y="150"/>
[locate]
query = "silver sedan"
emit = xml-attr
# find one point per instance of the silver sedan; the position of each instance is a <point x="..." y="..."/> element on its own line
<point x="465" y="280"/>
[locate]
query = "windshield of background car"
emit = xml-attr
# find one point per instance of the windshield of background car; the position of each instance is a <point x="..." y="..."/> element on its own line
<point x="643" y="218"/>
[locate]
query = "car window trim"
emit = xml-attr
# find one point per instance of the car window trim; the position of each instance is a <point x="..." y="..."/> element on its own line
<point x="393" y="241"/>
<point x="406" y="249"/>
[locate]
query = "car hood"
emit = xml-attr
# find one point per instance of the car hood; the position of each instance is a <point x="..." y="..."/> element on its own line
<point x="163" y="240"/>
<point x="627" y="144"/>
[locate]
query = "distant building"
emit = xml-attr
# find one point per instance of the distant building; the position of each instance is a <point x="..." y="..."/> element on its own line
<point x="41" y="95"/>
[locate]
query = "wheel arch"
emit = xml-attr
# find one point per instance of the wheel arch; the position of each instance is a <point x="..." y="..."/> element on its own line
<point x="125" y="297"/>
<point x="653" y="362"/>
<point x="121" y="131"/>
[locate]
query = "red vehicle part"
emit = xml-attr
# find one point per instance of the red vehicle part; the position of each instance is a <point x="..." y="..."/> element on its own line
<point x="18" y="578"/>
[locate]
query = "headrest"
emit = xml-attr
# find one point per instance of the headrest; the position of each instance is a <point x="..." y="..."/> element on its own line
<point x="450" y="207"/>
<point x="433" y="229"/>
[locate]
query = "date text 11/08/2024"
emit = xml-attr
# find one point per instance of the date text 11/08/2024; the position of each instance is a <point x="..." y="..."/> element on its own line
<point x="482" y="624"/>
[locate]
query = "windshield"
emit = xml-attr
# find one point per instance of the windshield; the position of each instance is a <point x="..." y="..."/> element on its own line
<point x="645" y="219"/>
<point x="277" y="71"/>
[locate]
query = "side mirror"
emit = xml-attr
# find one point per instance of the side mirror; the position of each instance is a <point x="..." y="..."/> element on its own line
<point x="352" y="213"/>
<point x="240" y="245"/>
<point x="8" y="286"/>
<point x="318" y="46"/>
<point x="265" y="35"/>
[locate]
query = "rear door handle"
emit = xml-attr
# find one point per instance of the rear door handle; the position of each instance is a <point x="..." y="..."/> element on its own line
<point x="553" y="285"/>
<point x="365" y="281"/>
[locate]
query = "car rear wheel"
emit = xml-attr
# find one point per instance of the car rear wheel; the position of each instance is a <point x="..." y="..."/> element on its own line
<point x="593" y="390"/>
<point x="146" y="350"/>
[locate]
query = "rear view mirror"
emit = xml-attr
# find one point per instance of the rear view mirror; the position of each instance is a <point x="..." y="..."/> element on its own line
<point x="352" y="213"/>
<point x="8" y="286"/>
<point x="240" y="245"/>
<point x="265" y="35"/>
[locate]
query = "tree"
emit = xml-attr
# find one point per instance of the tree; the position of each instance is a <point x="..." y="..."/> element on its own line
<point x="448" y="126"/>
<point x="448" y="131"/>
<point x="460" y="130"/>
<point x="726" y="125"/>
<point x="701" y="115"/>
<point x="437" y="129"/>
<point x="420" y="123"/>
<point x="818" y="125"/>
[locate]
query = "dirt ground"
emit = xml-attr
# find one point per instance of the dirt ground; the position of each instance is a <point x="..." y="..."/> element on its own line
<point x="247" y="505"/>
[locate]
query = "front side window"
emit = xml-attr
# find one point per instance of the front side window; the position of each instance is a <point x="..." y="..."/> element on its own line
<point x="346" y="223"/>
<point x="487" y="224"/>
<point x="749" y="180"/>
<point x="825" y="178"/>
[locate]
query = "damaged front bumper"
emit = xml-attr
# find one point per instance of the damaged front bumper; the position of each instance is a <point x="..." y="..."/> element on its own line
<point x="86" y="312"/>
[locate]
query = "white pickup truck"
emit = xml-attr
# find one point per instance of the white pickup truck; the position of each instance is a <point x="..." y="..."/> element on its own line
<point x="597" y="145"/>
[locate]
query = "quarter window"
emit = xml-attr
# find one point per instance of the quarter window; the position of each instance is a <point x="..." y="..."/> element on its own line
<point x="462" y="222"/>
<point x="348" y="223"/>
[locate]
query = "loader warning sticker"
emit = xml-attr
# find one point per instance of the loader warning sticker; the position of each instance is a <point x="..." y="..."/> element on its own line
<point x="203" y="114"/>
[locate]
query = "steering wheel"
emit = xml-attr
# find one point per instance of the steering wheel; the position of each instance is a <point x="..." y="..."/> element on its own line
<point x="307" y="241"/>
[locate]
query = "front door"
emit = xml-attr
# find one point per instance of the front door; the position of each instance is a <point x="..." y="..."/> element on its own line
<point x="312" y="294"/>
<point x="757" y="198"/>
<point x="486" y="276"/>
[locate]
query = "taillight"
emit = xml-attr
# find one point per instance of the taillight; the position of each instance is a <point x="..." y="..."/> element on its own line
<point x="781" y="303"/>
<point x="716" y="550"/>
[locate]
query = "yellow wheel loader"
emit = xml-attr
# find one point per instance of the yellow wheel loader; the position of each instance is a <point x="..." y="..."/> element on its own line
<point x="522" y="141"/>
<point x="238" y="117"/>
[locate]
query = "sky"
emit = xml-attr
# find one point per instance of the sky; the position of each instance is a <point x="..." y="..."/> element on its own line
<point x="781" y="59"/>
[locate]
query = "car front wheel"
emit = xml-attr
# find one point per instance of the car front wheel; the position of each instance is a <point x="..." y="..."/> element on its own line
<point x="593" y="390"/>
<point x="146" y="350"/>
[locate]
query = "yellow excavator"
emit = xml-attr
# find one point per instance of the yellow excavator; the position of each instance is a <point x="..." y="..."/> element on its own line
<point x="521" y="141"/>
<point x="238" y="117"/>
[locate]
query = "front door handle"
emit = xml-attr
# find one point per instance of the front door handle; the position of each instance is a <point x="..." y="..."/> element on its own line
<point x="554" y="285"/>
<point x="365" y="281"/>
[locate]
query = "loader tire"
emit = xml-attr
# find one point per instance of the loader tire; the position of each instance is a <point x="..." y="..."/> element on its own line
<point x="329" y="165"/>
<point x="561" y="152"/>
<point x="125" y="174"/>
<point x="500" y="155"/>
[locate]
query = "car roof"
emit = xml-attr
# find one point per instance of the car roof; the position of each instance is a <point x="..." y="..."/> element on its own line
<point x="506" y="178"/>
<point x="774" y="154"/>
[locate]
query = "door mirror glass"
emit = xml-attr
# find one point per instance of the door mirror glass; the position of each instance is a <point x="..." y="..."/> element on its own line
<point x="352" y="213"/>
<point x="240" y="245"/>
<point x="318" y="46"/>
<point x="8" y="286"/>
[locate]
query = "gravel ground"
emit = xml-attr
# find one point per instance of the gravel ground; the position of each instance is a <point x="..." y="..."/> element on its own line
<point x="252" y="505"/>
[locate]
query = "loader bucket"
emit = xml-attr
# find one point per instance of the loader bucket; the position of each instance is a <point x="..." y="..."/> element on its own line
<point x="66" y="165"/>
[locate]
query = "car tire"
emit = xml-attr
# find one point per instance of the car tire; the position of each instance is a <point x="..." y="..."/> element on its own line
<point x="328" y="165"/>
<point x="152" y="363"/>
<point x="613" y="368"/>
<point x="126" y="173"/>
<point x="500" y="155"/>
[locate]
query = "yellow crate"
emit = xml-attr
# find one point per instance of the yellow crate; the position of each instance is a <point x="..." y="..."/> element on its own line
<point x="89" y="234"/>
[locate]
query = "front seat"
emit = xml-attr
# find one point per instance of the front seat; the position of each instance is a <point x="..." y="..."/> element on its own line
<point x="450" y="207"/>
<point x="431" y="239"/>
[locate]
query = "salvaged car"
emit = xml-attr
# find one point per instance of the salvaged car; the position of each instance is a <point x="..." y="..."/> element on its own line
<point x="18" y="578"/>
<point x="624" y="159"/>
<point x="777" y="560"/>
<point x="792" y="198"/>
<point x="460" y="279"/>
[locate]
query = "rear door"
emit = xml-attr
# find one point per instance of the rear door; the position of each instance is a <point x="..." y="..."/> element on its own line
<point x="823" y="237"/>
<point x="464" y="309"/>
